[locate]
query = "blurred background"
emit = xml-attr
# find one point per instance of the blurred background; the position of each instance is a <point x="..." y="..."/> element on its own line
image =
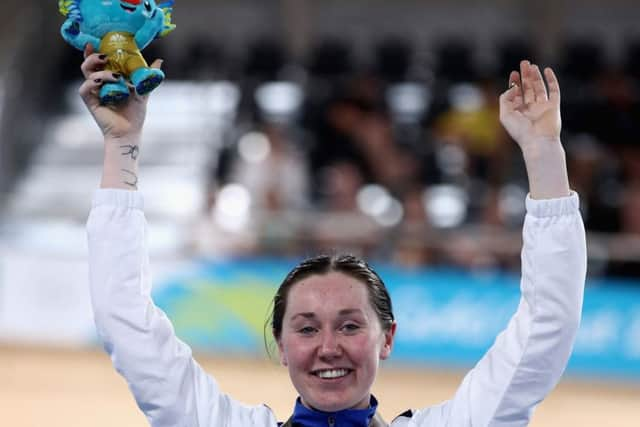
<point x="292" y="127"/>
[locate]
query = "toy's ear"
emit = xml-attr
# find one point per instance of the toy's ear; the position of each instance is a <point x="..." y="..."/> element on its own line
<point x="70" y="9"/>
<point x="167" y="10"/>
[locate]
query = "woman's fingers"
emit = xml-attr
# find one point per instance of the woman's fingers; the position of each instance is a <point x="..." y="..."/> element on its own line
<point x="511" y="99"/>
<point x="537" y="84"/>
<point x="514" y="79"/>
<point x="104" y="76"/>
<point x="554" y="86"/>
<point x="527" y="88"/>
<point x="92" y="63"/>
<point x="89" y="92"/>
<point x="514" y="93"/>
<point x="88" y="50"/>
<point x="157" y="63"/>
<point x="91" y="86"/>
<point x="533" y="84"/>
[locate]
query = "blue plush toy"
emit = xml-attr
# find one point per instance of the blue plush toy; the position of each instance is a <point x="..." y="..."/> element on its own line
<point x="119" y="29"/>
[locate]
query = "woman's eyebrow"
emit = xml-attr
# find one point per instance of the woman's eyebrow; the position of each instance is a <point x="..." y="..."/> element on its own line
<point x="343" y="312"/>
<point x="306" y="315"/>
<point x="348" y="311"/>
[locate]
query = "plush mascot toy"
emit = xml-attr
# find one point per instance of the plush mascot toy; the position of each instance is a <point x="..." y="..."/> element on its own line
<point x="119" y="29"/>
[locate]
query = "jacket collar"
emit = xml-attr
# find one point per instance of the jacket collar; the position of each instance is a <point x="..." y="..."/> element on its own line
<point x="305" y="417"/>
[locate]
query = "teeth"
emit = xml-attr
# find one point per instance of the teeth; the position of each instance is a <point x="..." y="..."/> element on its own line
<point x="332" y="373"/>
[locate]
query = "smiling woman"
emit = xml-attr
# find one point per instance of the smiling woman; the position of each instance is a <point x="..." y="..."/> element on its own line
<point x="331" y="338"/>
<point x="332" y="319"/>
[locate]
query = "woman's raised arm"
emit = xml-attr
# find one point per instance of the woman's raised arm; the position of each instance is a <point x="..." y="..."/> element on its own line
<point x="528" y="358"/>
<point x="168" y="384"/>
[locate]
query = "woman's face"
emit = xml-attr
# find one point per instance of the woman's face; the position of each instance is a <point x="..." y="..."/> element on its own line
<point x="332" y="341"/>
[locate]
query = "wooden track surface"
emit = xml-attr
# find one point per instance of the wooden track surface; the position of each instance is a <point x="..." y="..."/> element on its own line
<point x="59" y="388"/>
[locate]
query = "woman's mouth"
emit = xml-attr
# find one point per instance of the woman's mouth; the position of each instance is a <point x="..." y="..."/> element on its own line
<point x="331" y="374"/>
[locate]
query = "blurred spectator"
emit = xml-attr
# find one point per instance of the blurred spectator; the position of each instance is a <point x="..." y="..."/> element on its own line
<point x="472" y="123"/>
<point x="389" y="164"/>
<point x="630" y="241"/>
<point x="264" y="177"/>
<point x="594" y="174"/>
<point x="342" y="224"/>
<point x="410" y="248"/>
<point x="630" y="156"/>
<point x="630" y="219"/>
<point x="272" y="168"/>
<point x="617" y="107"/>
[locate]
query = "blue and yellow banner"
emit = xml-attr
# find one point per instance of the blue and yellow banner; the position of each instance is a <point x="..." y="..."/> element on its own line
<point x="445" y="317"/>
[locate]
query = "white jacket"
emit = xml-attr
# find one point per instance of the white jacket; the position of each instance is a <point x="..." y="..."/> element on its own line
<point x="523" y="365"/>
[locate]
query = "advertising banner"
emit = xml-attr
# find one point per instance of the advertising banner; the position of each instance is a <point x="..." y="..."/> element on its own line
<point x="445" y="317"/>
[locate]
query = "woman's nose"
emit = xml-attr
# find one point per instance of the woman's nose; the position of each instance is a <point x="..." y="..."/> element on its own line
<point x="330" y="345"/>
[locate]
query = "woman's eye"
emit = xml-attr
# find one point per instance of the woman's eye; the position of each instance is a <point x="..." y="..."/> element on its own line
<point x="307" y="330"/>
<point x="350" y="327"/>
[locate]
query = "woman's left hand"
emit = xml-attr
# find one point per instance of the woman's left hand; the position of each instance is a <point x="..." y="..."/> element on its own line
<point x="527" y="110"/>
<point x="531" y="115"/>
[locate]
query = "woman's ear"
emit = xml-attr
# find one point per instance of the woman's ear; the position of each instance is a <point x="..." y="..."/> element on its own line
<point x="387" y="345"/>
<point x="283" y="357"/>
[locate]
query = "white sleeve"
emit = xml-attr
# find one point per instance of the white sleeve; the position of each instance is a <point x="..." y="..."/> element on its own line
<point x="529" y="356"/>
<point x="167" y="383"/>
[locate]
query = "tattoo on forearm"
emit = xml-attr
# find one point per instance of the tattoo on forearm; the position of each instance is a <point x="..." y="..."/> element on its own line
<point x="131" y="150"/>
<point x="132" y="180"/>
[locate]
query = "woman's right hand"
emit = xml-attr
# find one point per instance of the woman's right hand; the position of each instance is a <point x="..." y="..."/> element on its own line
<point x="116" y="122"/>
<point x="121" y="125"/>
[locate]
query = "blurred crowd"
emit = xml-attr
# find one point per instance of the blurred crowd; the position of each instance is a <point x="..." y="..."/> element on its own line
<point x="401" y="156"/>
<point x="398" y="154"/>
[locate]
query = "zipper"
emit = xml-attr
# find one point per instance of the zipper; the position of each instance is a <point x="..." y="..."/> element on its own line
<point x="332" y="421"/>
